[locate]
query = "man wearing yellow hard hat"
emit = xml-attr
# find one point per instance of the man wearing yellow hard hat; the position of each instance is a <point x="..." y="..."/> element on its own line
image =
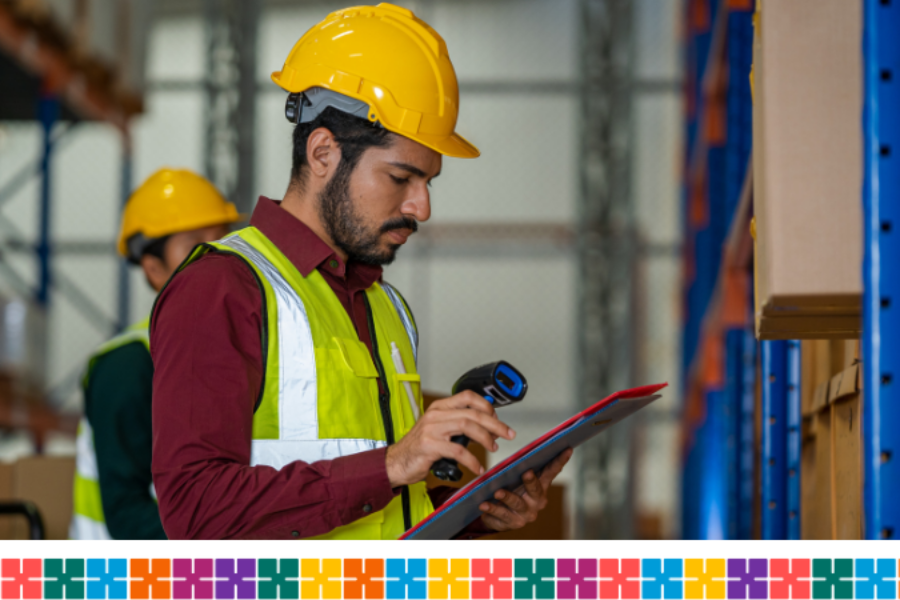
<point x="280" y="400"/>
<point x="173" y="211"/>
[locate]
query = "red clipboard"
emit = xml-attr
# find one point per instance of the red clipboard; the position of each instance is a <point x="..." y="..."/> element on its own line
<point x="460" y="510"/>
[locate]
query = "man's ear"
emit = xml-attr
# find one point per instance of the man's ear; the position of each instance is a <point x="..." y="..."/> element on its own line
<point x="155" y="271"/>
<point x="322" y="153"/>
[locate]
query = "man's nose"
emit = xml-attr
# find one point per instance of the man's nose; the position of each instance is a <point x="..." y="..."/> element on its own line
<point x="418" y="205"/>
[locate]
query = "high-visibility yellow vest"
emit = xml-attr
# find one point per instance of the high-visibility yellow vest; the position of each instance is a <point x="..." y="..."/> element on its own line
<point x="88" y="522"/>
<point x="320" y="396"/>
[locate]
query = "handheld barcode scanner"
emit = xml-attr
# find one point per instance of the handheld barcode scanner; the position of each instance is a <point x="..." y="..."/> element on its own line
<point x="500" y="384"/>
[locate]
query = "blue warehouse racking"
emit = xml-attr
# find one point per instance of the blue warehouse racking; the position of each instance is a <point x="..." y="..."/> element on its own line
<point x="748" y="418"/>
<point x="881" y="270"/>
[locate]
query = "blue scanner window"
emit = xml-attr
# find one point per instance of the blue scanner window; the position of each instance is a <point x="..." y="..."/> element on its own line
<point x="509" y="381"/>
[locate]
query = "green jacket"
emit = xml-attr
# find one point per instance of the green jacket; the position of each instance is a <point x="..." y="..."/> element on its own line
<point x="113" y="483"/>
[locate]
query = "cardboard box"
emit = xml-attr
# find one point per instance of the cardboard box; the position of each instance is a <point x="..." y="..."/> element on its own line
<point x="843" y="354"/>
<point x="807" y="162"/>
<point x="6" y="478"/>
<point x="810" y="520"/>
<point x="815" y="369"/>
<point x="831" y="451"/>
<point x="46" y="481"/>
<point x="847" y="479"/>
<point x="820" y="512"/>
<point x="839" y="327"/>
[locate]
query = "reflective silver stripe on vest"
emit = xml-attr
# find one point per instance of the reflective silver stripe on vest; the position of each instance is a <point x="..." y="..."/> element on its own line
<point x="278" y="453"/>
<point x="85" y="457"/>
<point x="297" y="410"/>
<point x="400" y="306"/>
<point x="297" y="395"/>
<point x="82" y="528"/>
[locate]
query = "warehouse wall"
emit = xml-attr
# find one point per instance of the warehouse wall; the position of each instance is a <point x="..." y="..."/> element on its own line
<point x="85" y="184"/>
<point x="656" y="173"/>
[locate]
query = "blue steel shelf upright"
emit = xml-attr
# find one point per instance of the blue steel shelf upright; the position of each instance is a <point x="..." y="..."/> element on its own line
<point x="881" y="271"/>
<point x="774" y="357"/>
<point x="793" y="441"/>
<point x="747" y="434"/>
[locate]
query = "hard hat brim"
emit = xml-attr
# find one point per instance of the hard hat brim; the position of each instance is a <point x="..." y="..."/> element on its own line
<point x="230" y="217"/>
<point x="454" y="145"/>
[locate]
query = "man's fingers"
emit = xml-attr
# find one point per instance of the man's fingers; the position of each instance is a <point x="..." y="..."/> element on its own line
<point x="473" y="431"/>
<point x="461" y="455"/>
<point x="555" y="467"/>
<point x="533" y="486"/>
<point x="465" y="400"/>
<point x="515" y="503"/>
<point x="509" y="519"/>
<point x="492" y="424"/>
<point x="522" y="506"/>
<point x="455" y="422"/>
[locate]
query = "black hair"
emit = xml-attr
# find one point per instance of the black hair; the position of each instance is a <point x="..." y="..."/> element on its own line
<point x="353" y="134"/>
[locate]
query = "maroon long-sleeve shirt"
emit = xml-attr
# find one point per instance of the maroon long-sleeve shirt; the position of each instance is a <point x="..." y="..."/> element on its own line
<point x="207" y="353"/>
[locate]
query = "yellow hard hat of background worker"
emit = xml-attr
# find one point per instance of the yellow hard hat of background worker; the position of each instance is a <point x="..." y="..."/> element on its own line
<point x="392" y="61"/>
<point x="171" y="201"/>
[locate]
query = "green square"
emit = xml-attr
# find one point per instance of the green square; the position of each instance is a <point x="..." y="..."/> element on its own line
<point x="65" y="585"/>
<point x="535" y="586"/>
<point x="268" y="590"/>
<point x="843" y="569"/>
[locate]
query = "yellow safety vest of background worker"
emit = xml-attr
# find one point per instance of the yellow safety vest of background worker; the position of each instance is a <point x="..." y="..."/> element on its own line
<point x="369" y="72"/>
<point x="173" y="211"/>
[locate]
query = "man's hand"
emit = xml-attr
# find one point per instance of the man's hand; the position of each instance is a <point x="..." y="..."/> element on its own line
<point x="514" y="510"/>
<point x="409" y="460"/>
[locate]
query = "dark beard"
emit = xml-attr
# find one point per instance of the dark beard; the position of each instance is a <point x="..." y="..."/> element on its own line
<point x="347" y="229"/>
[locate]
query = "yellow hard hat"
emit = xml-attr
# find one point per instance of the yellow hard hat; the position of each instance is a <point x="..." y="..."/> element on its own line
<point x="392" y="61"/>
<point x="171" y="201"/>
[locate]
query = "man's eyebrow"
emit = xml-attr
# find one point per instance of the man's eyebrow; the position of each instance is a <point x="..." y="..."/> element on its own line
<point x="412" y="169"/>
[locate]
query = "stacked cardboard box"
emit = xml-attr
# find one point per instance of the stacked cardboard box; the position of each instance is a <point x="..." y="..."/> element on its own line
<point x="831" y="451"/>
<point x="807" y="168"/>
<point x="47" y="482"/>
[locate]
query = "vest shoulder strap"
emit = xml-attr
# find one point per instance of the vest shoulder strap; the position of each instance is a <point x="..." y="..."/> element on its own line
<point x="139" y="332"/>
<point x="406" y="316"/>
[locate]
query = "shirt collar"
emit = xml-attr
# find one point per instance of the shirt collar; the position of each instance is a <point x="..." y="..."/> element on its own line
<point x="306" y="250"/>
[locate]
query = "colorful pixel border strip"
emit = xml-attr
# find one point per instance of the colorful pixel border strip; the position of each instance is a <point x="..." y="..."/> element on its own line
<point x="447" y="579"/>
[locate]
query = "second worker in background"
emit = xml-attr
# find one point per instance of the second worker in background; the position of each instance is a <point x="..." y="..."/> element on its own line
<point x="173" y="211"/>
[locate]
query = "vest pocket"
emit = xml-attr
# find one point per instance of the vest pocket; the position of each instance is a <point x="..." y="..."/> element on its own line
<point x="347" y="385"/>
<point x="402" y="402"/>
<point x="356" y="357"/>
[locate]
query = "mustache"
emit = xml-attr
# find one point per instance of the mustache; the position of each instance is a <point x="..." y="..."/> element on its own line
<point x="400" y="223"/>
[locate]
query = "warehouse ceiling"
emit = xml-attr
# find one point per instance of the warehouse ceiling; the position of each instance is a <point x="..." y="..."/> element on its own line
<point x="21" y="89"/>
<point x="95" y="77"/>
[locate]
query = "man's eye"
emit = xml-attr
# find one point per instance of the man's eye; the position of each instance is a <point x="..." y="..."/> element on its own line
<point x="399" y="180"/>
